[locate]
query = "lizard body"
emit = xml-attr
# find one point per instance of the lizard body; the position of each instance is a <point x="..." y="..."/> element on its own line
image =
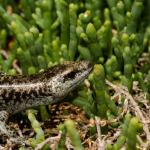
<point x="22" y="92"/>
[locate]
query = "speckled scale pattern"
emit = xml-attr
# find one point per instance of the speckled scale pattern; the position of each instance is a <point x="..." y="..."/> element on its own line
<point x="22" y="92"/>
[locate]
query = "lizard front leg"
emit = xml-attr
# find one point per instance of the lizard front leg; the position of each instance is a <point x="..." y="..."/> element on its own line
<point x="3" y="126"/>
<point x="6" y="132"/>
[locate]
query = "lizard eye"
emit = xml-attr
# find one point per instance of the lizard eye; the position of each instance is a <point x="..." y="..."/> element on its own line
<point x="70" y="76"/>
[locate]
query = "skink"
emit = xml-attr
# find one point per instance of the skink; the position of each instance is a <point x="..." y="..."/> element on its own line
<point x="22" y="92"/>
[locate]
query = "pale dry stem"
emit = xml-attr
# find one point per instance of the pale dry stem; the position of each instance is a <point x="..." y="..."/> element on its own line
<point x="135" y="109"/>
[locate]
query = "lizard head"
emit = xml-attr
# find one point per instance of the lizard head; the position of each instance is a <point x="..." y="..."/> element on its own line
<point x="69" y="75"/>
